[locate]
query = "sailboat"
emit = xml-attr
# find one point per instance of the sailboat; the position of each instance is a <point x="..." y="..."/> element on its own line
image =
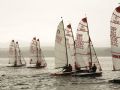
<point x="115" y="38"/>
<point x="61" y="51"/>
<point x="85" y="53"/>
<point x="15" y="56"/>
<point x="115" y="41"/>
<point x="37" y="59"/>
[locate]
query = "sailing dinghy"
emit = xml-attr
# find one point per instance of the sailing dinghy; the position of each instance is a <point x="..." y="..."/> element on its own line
<point x="15" y="56"/>
<point x="115" y="38"/>
<point x="64" y="50"/>
<point x="37" y="59"/>
<point x="85" y="53"/>
<point x="115" y="41"/>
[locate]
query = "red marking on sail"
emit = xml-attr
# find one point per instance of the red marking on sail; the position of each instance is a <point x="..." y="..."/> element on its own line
<point x="118" y="9"/>
<point x="58" y="39"/>
<point x="69" y="26"/>
<point x="79" y="42"/>
<point x="116" y="56"/>
<point x="84" y="19"/>
<point x="114" y="40"/>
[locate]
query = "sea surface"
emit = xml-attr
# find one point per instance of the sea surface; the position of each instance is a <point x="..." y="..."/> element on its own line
<point x="22" y="78"/>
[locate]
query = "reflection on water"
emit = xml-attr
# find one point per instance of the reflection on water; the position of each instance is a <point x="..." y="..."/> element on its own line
<point x="39" y="79"/>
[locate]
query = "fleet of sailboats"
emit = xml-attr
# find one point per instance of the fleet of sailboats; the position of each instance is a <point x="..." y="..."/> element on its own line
<point x="78" y="53"/>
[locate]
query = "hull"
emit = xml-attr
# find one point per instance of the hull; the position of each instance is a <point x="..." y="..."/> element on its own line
<point x="17" y="65"/>
<point x="34" y="66"/>
<point x="62" y="74"/>
<point x="115" y="81"/>
<point x="88" y="74"/>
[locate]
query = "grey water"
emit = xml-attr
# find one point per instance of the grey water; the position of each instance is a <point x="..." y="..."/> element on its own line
<point x="22" y="78"/>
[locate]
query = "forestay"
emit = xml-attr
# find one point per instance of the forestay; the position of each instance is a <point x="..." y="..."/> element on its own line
<point x="115" y="38"/>
<point x="94" y="57"/>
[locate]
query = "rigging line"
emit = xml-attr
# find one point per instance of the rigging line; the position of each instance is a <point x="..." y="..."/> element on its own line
<point x="65" y="43"/>
<point x="89" y="41"/>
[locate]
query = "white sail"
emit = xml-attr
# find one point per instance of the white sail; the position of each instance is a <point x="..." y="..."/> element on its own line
<point x="115" y="38"/>
<point x="34" y="51"/>
<point x="82" y="44"/>
<point x="85" y="52"/>
<point x="70" y="46"/>
<point x="41" y="58"/>
<point x="12" y="52"/>
<point x="60" y="46"/>
<point x="18" y="54"/>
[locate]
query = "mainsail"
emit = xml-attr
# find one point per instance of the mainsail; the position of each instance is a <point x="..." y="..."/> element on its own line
<point x="41" y="58"/>
<point x="85" y="52"/>
<point x="115" y="38"/>
<point x="18" y="54"/>
<point x="61" y="57"/>
<point x="12" y="52"/>
<point x="34" y="51"/>
<point x="70" y="45"/>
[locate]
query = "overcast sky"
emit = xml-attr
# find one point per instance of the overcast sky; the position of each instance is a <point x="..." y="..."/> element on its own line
<point x="23" y="19"/>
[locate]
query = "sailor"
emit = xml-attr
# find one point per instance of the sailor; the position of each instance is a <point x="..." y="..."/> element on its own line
<point x="65" y="68"/>
<point x="38" y="64"/>
<point x="94" y="68"/>
<point x="30" y="61"/>
<point x="77" y="67"/>
<point x="70" y="68"/>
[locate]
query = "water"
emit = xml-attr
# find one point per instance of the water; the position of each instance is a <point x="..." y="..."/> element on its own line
<point x="39" y="79"/>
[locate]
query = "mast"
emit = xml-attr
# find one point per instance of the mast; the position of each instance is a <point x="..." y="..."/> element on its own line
<point x="15" y="63"/>
<point x="37" y="52"/>
<point x="65" y="44"/>
<point x="19" y="54"/>
<point x="89" y="42"/>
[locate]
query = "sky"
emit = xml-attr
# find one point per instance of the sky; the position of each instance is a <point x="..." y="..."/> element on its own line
<point x="22" y="20"/>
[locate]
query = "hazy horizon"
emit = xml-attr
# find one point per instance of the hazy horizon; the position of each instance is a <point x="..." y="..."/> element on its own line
<point x="49" y="51"/>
